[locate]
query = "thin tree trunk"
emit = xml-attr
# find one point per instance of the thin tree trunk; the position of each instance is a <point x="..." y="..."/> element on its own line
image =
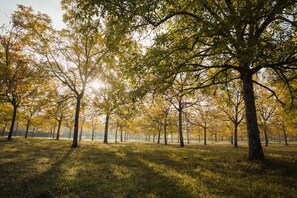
<point x="159" y="136"/>
<point x="93" y="131"/>
<point x="180" y="122"/>
<point x="149" y="137"/>
<point x="70" y="129"/>
<point x="81" y="132"/>
<point x="199" y="138"/>
<point x="3" y="130"/>
<point x="27" y="128"/>
<point x="204" y="130"/>
<point x="59" y="127"/>
<point x="285" y="135"/>
<point x="33" y="132"/>
<point x="255" y="148"/>
<point x="15" y="107"/>
<point x="188" y="135"/>
<point x="235" y="135"/>
<point x="121" y="128"/>
<point x="265" y="136"/>
<point x="154" y="137"/>
<point x="76" y="122"/>
<point x="165" y="133"/>
<point x="116" y="134"/>
<point x="54" y="131"/>
<point x="106" y="129"/>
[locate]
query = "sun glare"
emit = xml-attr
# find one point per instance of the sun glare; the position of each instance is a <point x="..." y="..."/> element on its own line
<point x="96" y="84"/>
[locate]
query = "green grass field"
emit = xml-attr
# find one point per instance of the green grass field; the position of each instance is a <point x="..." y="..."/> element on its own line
<point x="50" y="168"/>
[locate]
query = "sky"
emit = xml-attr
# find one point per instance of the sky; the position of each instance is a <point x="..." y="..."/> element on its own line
<point x="50" y="7"/>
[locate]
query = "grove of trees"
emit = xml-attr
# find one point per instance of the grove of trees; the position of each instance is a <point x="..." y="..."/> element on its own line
<point x="210" y="70"/>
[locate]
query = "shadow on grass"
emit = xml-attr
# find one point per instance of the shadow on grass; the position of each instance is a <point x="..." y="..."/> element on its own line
<point x="40" y="185"/>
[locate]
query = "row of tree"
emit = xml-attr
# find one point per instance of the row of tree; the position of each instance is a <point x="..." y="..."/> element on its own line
<point x="208" y="58"/>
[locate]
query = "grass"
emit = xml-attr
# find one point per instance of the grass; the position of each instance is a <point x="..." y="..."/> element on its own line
<point x="49" y="168"/>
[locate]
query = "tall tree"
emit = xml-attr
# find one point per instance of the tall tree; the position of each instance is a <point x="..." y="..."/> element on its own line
<point x="73" y="55"/>
<point x="219" y="38"/>
<point x="19" y="77"/>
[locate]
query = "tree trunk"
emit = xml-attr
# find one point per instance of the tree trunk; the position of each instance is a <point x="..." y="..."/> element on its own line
<point x="159" y="136"/>
<point x="54" y="131"/>
<point x="165" y="133"/>
<point x="235" y="135"/>
<point x="154" y="137"/>
<point x="180" y="124"/>
<point x="76" y="122"/>
<point x="265" y="136"/>
<point x="70" y="129"/>
<point x="33" y="132"/>
<point x="121" y="128"/>
<point x="59" y="127"/>
<point x="204" y="129"/>
<point x="216" y="139"/>
<point x="27" y="128"/>
<point x="3" y="130"/>
<point x="149" y="137"/>
<point x="254" y="143"/>
<point x="106" y="129"/>
<point x="188" y="135"/>
<point x="81" y="132"/>
<point x="15" y="107"/>
<point x="116" y="134"/>
<point x="285" y="135"/>
<point x="93" y="131"/>
<point x="199" y="138"/>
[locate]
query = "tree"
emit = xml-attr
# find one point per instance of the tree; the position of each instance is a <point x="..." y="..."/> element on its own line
<point x="266" y="109"/>
<point x="73" y="55"/>
<point x="230" y="102"/>
<point x="219" y="38"/>
<point x="110" y="97"/>
<point x="19" y="77"/>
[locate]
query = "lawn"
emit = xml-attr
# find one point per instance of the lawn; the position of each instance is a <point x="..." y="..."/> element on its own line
<point x="50" y="168"/>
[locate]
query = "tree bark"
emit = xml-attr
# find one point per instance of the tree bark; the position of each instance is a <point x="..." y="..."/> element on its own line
<point x="59" y="127"/>
<point x="159" y="135"/>
<point x="54" y="131"/>
<point x="235" y="135"/>
<point x="76" y="122"/>
<point x="106" y="129"/>
<point x="285" y="135"/>
<point x="27" y="128"/>
<point x="254" y="143"/>
<point x="154" y="137"/>
<point x="121" y="128"/>
<point x="180" y="124"/>
<point x="81" y="131"/>
<point x="3" y="130"/>
<point x="165" y="133"/>
<point x="265" y="136"/>
<point x="15" y="107"/>
<point x="204" y="129"/>
<point x="70" y="129"/>
<point x="33" y="132"/>
<point x="93" y="131"/>
<point x="188" y="135"/>
<point x="116" y="134"/>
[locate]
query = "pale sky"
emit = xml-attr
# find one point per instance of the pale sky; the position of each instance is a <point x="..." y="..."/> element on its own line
<point x="50" y="7"/>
